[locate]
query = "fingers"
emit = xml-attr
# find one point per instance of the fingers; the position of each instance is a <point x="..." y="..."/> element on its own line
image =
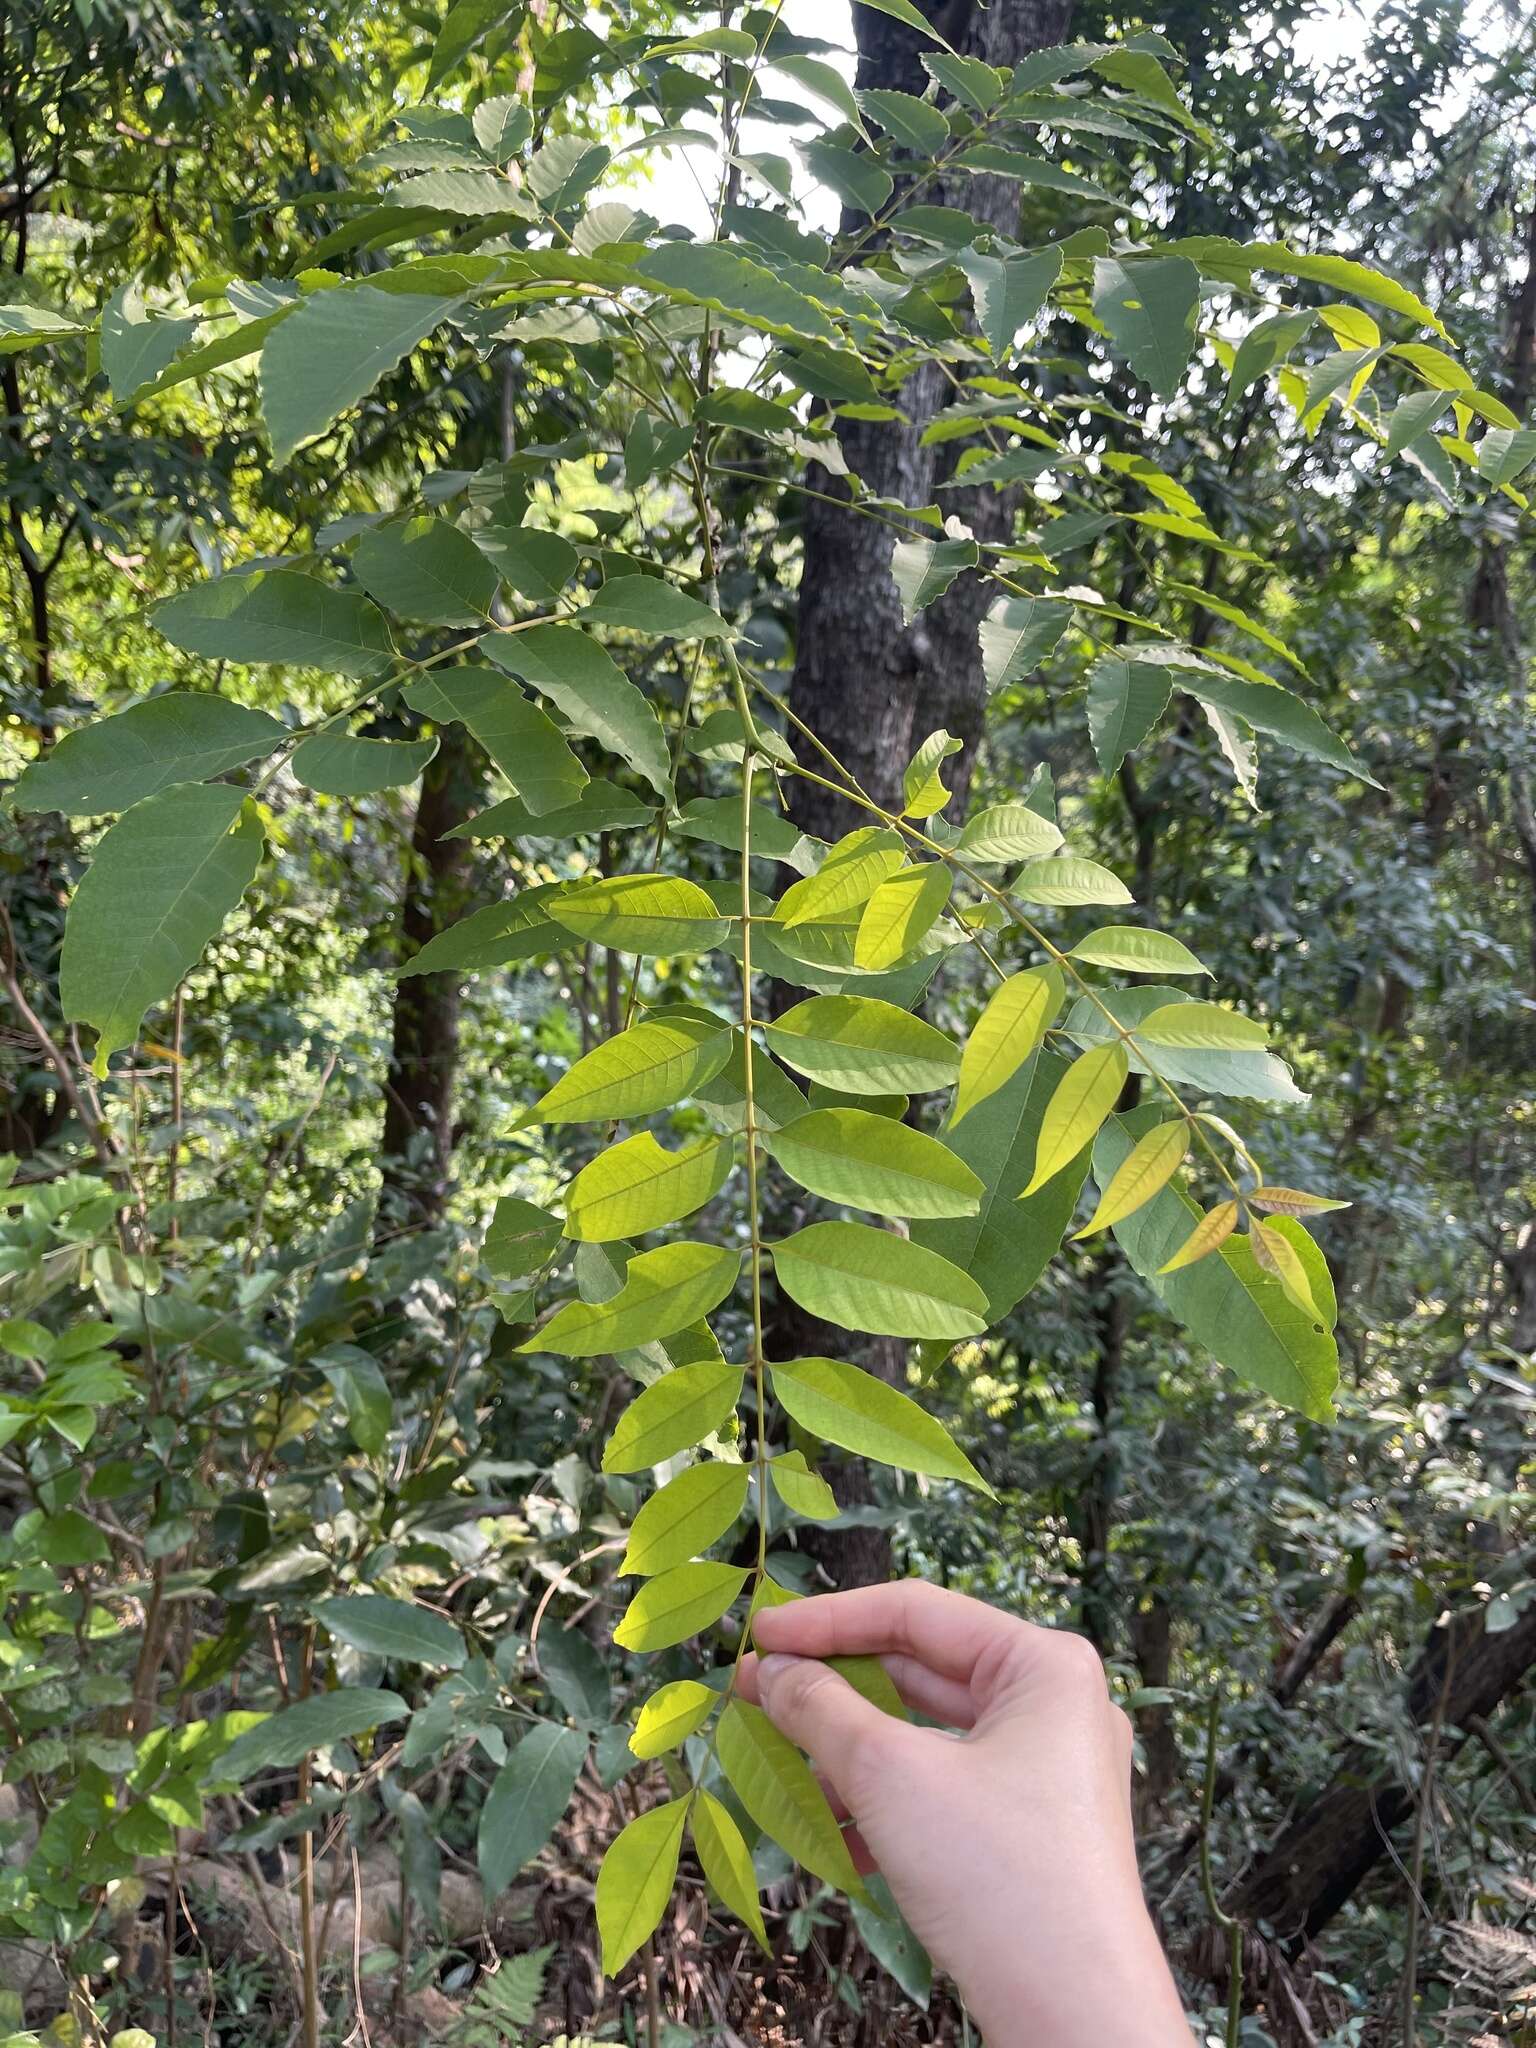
<point x="843" y="1734"/>
<point x="941" y="1699"/>
<point x="953" y="1637"/>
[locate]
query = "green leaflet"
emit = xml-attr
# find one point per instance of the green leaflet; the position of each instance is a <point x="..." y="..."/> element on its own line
<point x="275" y="615"/>
<point x="600" y="807"/>
<point x="536" y="564"/>
<point x="664" y="1291"/>
<point x="923" y="790"/>
<point x="527" y="1797"/>
<point x="1134" y="950"/>
<point x="1006" y="1034"/>
<point x="1008" y="832"/>
<point x="648" y="1067"/>
<point x="1251" y="1072"/>
<point x="874" y="1162"/>
<point x="915" y="123"/>
<point x="1069" y="879"/>
<point x="1016" y="636"/>
<point x="1149" y="305"/>
<point x="641" y="914"/>
<point x="1007" y="292"/>
<point x="846" y="1406"/>
<point x="116" y="762"/>
<point x="678" y="1411"/>
<point x="331" y="351"/>
<point x="1227" y="1302"/>
<point x="727" y="1862"/>
<point x="1009" y="1243"/>
<point x="774" y="1783"/>
<point x="137" y="345"/>
<point x="1084" y="1097"/>
<point x="426" y="570"/>
<point x="678" y="1604"/>
<point x="863" y="1046"/>
<point x="692" y="1511"/>
<point x="1126" y="698"/>
<point x="924" y="570"/>
<point x="295" y="1732"/>
<point x="337" y="764"/>
<point x="1196" y="1026"/>
<point x="528" y="748"/>
<point x="519" y="929"/>
<point x="862" y="1278"/>
<point x="1152" y="1162"/>
<point x="847" y="877"/>
<point x="638" y="1186"/>
<point x="802" y="1491"/>
<point x="670" y="1716"/>
<point x="162" y="881"/>
<point x="363" y="1391"/>
<point x="645" y="604"/>
<point x="635" y="1881"/>
<point x="900" y="913"/>
<point x="592" y="692"/>
<point x="396" y="1629"/>
<point x="521" y="1240"/>
<point x="709" y="275"/>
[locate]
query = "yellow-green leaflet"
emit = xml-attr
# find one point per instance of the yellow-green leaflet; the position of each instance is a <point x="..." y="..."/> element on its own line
<point x="679" y="1603"/>
<point x="670" y="1716"/>
<point x="774" y="1783"/>
<point x="1068" y="880"/>
<point x="874" y="1162"/>
<point x="1214" y="1228"/>
<point x="640" y="1186"/>
<point x="1292" y="1202"/>
<point x="1085" y="1095"/>
<point x="1006" y="1033"/>
<point x="862" y="1278"/>
<point x="922" y="790"/>
<point x="802" y="1491"/>
<point x="1151" y="1163"/>
<point x="1008" y="832"/>
<point x="853" y="868"/>
<point x="641" y="914"/>
<point x="863" y="1046"/>
<point x="648" y="1067"/>
<point x="900" y="913"/>
<point x="689" y="1513"/>
<point x="1134" y="950"/>
<point x="664" y="1291"/>
<point x="727" y="1862"/>
<point x="1202" y="1027"/>
<point x="677" y="1412"/>
<point x="846" y="1406"/>
<point x="1277" y="1255"/>
<point x="636" y="1881"/>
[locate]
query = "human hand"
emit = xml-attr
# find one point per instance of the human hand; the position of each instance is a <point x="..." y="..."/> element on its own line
<point x="1010" y="1849"/>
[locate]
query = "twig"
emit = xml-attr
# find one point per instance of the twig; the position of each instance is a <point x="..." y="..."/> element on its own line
<point x="1230" y="1925"/>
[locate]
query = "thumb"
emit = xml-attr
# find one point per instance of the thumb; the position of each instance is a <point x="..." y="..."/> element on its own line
<point x="821" y="1712"/>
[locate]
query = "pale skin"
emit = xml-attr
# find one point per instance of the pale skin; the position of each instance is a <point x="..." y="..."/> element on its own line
<point x="1007" y="1843"/>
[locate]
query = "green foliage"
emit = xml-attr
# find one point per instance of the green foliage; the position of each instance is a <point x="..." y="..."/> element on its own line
<point x="594" y="668"/>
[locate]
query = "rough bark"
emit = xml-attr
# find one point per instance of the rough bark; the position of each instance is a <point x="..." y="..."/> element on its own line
<point x="424" y="1042"/>
<point x="1315" y="1864"/>
<point x="869" y="687"/>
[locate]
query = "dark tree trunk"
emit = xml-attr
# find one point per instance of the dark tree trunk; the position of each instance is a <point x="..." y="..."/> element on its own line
<point x="424" y="1046"/>
<point x="870" y="688"/>
<point x="1315" y="1864"/>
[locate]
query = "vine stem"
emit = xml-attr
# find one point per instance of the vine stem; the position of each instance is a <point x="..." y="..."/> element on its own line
<point x="748" y="1023"/>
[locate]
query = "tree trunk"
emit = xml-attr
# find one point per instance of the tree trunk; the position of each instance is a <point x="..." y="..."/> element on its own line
<point x="1315" y="1864"/>
<point x="870" y="688"/>
<point x="424" y="1046"/>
